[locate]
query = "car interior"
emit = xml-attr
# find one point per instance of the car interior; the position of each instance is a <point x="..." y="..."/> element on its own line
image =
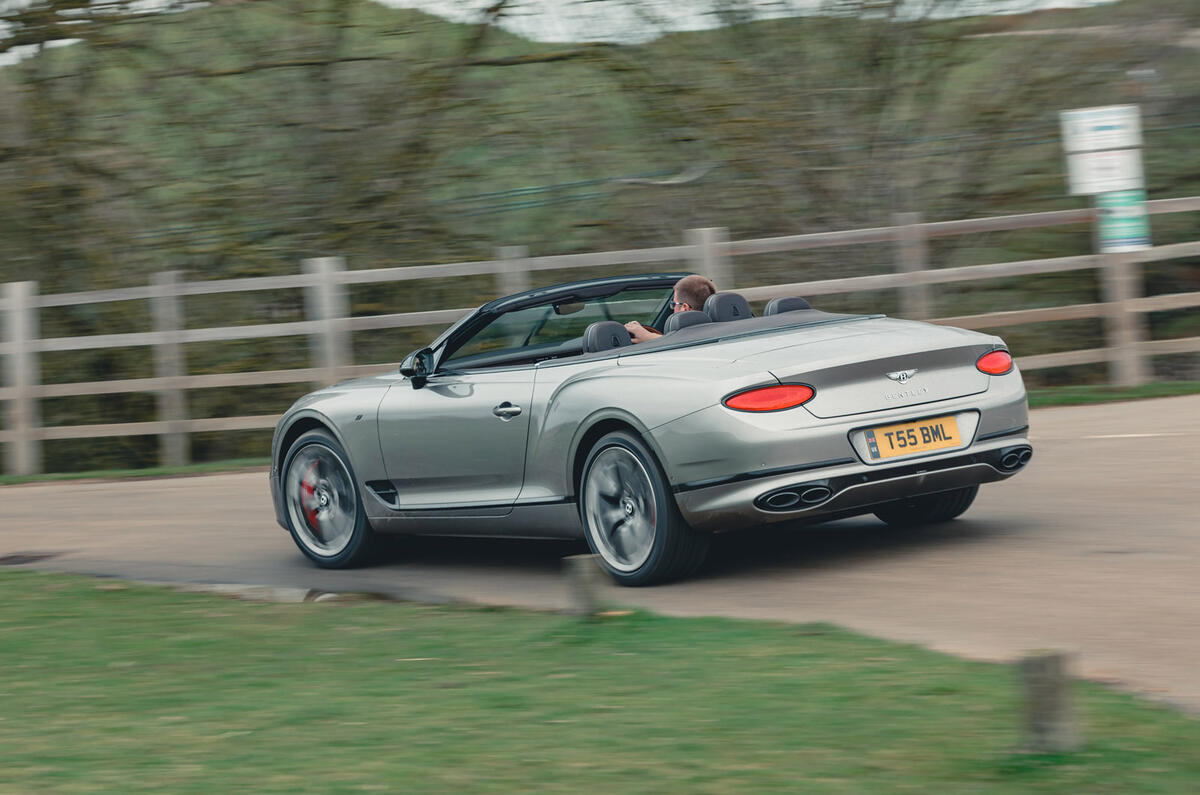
<point x="536" y="335"/>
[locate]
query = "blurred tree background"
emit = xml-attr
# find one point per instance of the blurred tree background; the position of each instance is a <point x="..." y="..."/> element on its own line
<point x="237" y="137"/>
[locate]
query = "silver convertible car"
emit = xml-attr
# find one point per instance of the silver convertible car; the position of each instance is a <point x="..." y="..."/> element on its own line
<point x="535" y="417"/>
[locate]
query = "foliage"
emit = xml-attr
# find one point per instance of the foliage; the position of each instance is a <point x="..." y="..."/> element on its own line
<point x="237" y="138"/>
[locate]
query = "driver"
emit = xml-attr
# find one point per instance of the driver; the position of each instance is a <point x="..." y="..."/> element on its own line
<point x="690" y="293"/>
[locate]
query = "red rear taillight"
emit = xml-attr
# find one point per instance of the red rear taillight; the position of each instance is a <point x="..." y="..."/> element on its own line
<point x="770" y="398"/>
<point x="995" y="363"/>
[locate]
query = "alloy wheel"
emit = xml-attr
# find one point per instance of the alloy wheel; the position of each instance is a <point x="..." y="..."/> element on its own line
<point x="620" y="508"/>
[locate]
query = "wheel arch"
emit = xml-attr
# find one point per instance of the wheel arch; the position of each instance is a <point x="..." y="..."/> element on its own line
<point x="596" y="428"/>
<point x="300" y="425"/>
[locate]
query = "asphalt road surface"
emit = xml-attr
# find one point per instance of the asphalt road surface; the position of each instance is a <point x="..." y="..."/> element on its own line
<point x="1094" y="549"/>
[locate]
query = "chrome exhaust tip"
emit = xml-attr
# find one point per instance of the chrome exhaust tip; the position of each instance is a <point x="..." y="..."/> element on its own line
<point x="795" y="498"/>
<point x="781" y="500"/>
<point x="1013" y="458"/>
<point x="815" y="495"/>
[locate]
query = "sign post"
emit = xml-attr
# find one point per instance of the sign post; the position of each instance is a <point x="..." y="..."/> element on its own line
<point x="1104" y="160"/>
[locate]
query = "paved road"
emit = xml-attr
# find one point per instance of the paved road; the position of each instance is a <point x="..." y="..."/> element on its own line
<point x="1095" y="549"/>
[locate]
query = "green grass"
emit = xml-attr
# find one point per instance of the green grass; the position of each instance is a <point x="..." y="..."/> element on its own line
<point x="145" y="472"/>
<point x="1101" y="393"/>
<point x="125" y="688"/>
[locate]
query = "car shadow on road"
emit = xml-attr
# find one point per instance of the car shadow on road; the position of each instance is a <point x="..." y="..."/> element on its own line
<point x="517" y="554"/>
<point x="769" y="547"/>
<point x="841" y="543"/>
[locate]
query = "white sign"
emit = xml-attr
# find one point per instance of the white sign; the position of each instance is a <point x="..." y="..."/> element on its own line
<point x="1109" y="127"/>
<point x="1101" y="172"/>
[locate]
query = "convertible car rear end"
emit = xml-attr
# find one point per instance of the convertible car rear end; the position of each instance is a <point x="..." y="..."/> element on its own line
<point x="535" y="416"/>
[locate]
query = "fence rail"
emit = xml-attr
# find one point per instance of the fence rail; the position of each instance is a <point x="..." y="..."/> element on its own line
<point x="708" y="251"/>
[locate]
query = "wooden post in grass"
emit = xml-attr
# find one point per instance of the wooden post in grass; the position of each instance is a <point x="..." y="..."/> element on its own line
<point x="169" y="363"/>
<point x="1051" y="722"/>
<point x="22" y="374"/>
<point x="583" y="578"/>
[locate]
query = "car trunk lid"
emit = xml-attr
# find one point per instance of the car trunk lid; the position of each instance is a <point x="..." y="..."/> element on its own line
<point x="878" y="364"/>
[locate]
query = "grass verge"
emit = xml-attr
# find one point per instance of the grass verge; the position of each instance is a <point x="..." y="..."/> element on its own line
<point x="126" y="688"/>
<point x="1102" y="393"/>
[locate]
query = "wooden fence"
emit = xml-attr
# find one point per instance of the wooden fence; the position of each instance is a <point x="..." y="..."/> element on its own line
<point x="707" y="251"/>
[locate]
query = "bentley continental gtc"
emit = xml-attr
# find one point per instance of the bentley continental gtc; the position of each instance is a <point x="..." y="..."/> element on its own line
<point x="535" y="416"/>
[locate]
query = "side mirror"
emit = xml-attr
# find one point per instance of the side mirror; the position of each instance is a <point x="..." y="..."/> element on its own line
<point x="418" y="366"/>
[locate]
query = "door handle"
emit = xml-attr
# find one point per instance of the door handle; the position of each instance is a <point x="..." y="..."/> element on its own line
<point x="506" y="411"/>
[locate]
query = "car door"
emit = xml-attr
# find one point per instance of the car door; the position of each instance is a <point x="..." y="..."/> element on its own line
<point x="459" y="441"/>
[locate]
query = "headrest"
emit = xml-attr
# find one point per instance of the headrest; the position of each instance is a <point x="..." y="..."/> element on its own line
<point x="684" y="319"/>
<point x="727" y="306"/>
<point x="791" y="304"/>
<point x="604" y="335"/>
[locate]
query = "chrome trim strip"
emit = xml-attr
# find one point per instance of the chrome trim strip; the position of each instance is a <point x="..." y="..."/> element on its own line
<point x="983" y="437"/>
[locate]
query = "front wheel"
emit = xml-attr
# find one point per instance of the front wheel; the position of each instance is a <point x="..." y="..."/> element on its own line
<point x="927" y="508"/>
<point x="630" y="518"/>
<point x="322" y="504"/>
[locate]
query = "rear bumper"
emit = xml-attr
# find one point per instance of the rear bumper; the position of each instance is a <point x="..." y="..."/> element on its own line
<point x="848" y="488"/>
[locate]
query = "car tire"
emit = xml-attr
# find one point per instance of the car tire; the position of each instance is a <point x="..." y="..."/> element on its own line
<point x="322" y="503"/>
<point x="630" y="517"/>
<point x="927" y="508"/>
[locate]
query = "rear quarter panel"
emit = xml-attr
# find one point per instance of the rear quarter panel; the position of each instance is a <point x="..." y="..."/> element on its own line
<point x="569" y="399"/>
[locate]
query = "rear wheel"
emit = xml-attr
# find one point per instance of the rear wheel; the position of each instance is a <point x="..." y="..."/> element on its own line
<point x="927" y="508"/>
<point x="630" y="518"/>
<point x="322" y="504"/>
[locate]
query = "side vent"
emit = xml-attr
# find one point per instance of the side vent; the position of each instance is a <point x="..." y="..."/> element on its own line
<point x="386" y="492"/>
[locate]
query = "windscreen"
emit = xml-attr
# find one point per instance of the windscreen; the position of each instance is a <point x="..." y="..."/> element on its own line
<point x="549" y="324"/>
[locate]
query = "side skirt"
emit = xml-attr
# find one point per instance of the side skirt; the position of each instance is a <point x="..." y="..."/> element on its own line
<point x="540" y="520"/>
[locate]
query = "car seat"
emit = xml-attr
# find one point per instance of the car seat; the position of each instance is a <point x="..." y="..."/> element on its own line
<point x="724" y="307"/>
<point x="790" y="304"/>
<point x="684" y="319"/>
<point x="605" y="335"/>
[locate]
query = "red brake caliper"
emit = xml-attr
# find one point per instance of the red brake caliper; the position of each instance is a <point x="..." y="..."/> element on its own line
<point x="308" y="496"/>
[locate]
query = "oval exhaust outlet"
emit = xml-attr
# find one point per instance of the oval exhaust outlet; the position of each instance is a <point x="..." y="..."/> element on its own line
<point x="815" y="494"/>
<point x="1015" y="457"/>
<point x="782" y="500"/>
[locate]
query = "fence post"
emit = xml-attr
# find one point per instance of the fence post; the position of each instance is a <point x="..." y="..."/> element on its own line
<point x="707" y="258"/>
<point x="326" y="303"/>
<point x="513" y="276"/>
<point x="169" y="363"/>
<point x="23" y="376"/>
<point x="912" y="258"/>
<point x="1121" y="277"/>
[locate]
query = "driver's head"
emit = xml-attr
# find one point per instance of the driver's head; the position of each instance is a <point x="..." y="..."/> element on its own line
<point x="692" y="291"/>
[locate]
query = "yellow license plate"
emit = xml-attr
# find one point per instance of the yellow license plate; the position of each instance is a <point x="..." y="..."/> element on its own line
<point x="913" y="437"/>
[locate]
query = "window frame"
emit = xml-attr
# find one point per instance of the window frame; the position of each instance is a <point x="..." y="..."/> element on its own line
<point x="530" y="355"/>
